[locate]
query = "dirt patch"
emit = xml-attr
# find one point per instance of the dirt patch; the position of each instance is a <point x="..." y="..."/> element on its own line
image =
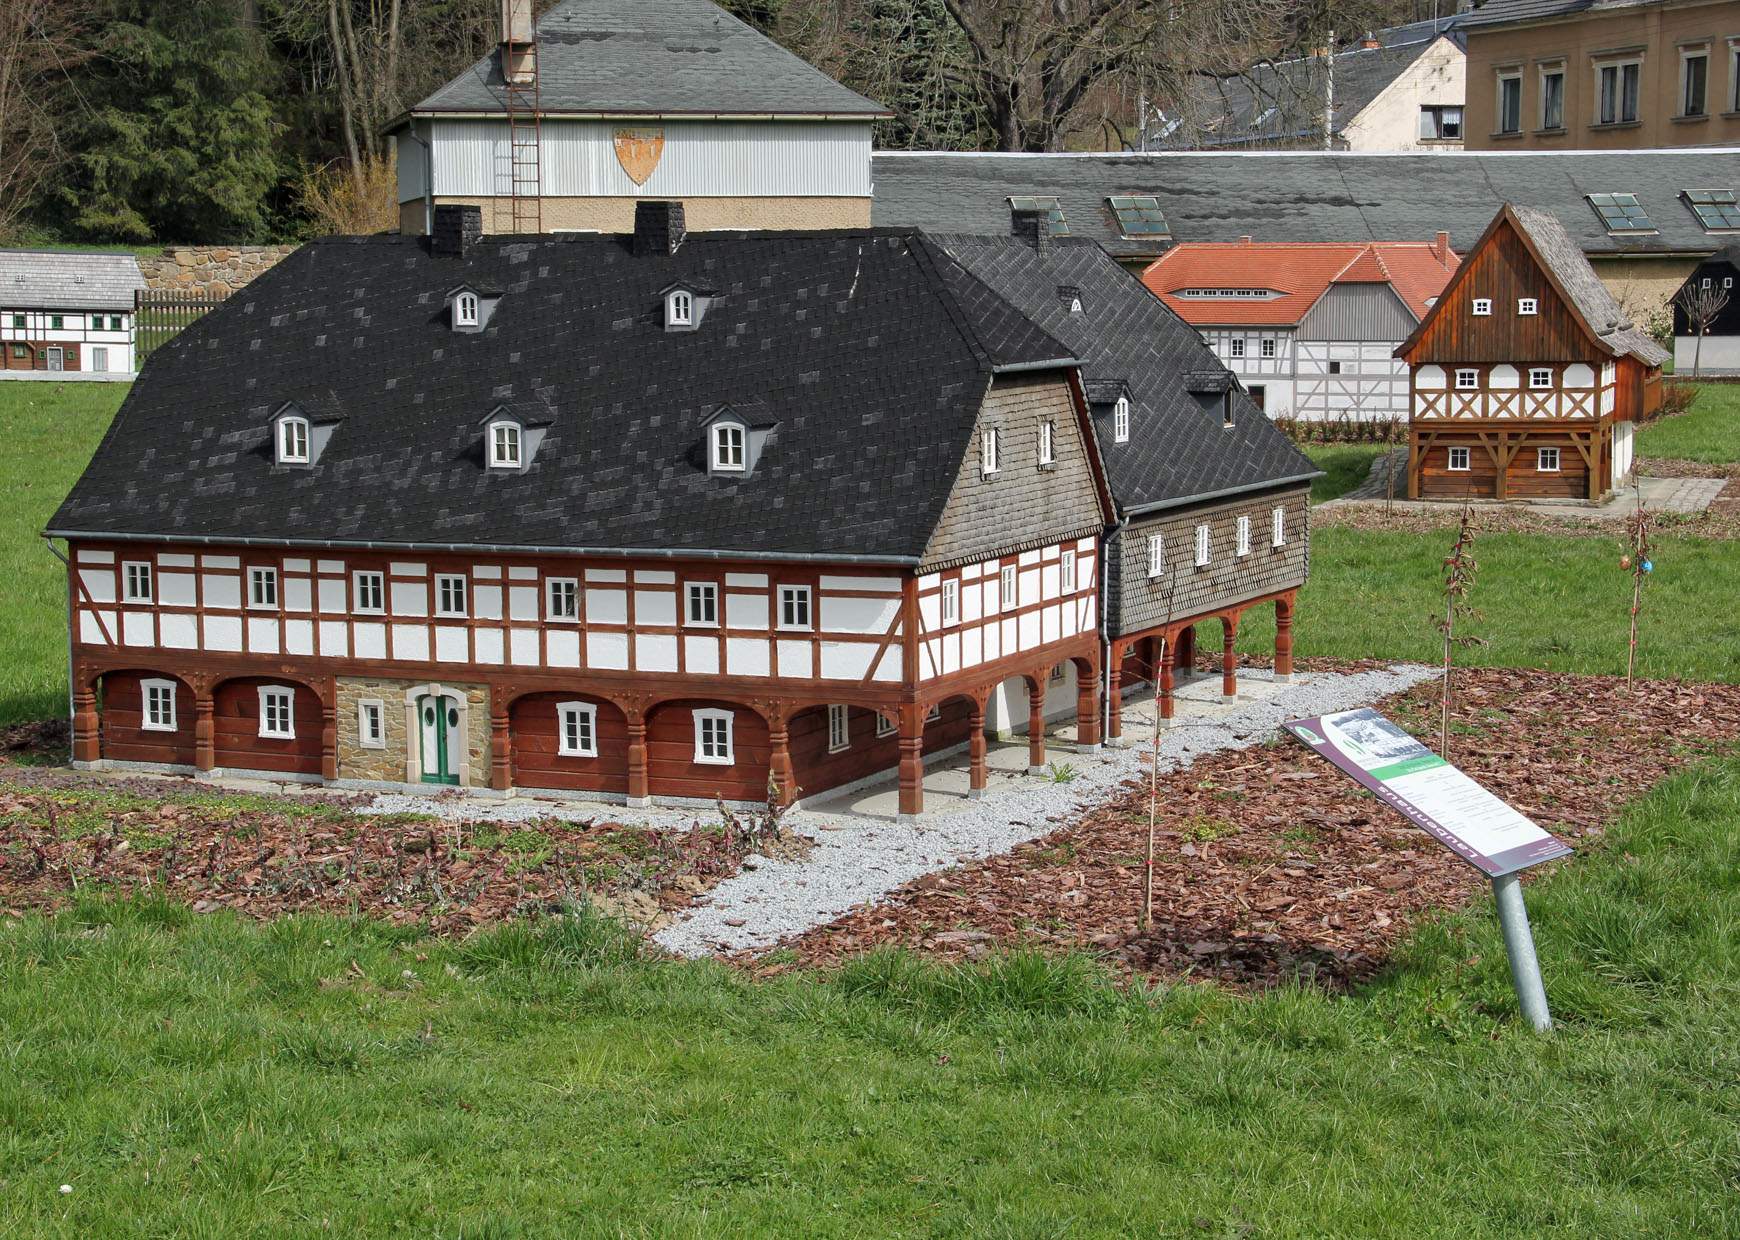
<point x="1720" y="520"/>
<point x="1270" y="863"/>
<point x="1669" y="467"/>
<point x="265" y="856"/>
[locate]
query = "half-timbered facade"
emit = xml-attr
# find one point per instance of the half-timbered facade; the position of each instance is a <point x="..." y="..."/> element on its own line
<point x="63" y="312"/>
<point x="1527" y="377"/>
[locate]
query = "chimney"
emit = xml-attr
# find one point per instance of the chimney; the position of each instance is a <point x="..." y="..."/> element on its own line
<point x="658" y="227"/>
<point x="1033" y="225"/>
<point x="1245" y="240"/>
<point x="1370" y="43"/>
<point x="518" y="62"/>
<point x="1441" y="248"/>
<point x="457" y="229"/>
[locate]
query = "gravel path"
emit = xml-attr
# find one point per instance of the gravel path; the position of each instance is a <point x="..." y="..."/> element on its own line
<point x="857" y="859"/>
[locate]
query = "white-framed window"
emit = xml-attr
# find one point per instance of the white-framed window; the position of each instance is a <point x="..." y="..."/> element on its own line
<point x="505" y="451"/>
<point x="679" y="309"/>
<point x="1267" y="347"/>
<point x="277" y="714"/>
<point x="135" y="582"/>
<point x="1553" y="96"/>
<point x="465" y="310"/>
<point x="1236" y="346"/>
<point x="100" y="358"/>
<point x="1047" y="442"/>
<point x="884" y="726"/>
<point x="1616" y="92"/>
<point x="713" y="738"/>
<point x="703" y="600"/>
<point x="561" y="598"/>
<point x="1202" y="547"/>
<point x="158" y="701"/>
<point x="1694" y="80"/>
<point x="794" y="607"/>
<point x="839" y="729"/>
<point x="1121" y="420"/>
<point x="262" y="587"/>
<point x="1243" y="546"/>
<point x="727" y="442"/>
<point x="1440" y="122"/>
<point x="934" y="714"/>
<point x="449" y="594"/>
<point x="371" y="723"/>
<point x="292" y="441"/>
<point x="1466" y="379"/>
<point x="576" y="730"/>
<point x="1482" y="306"/>
<point x="990" y="450"/>
<point x="1527" y="305"/>
<point x="1458" y="462"/>
<point x="1156" y="554"/>
<point x="1509" y="111"/>
<point x="1540" y="377"/>
<point x="1734" y="75"/>
<point x="1006" y="583"/>
<point x="951" y="602"/>
<point x="369" y="591"/>
<point x="1278" y="527"/>
<point x="1066" y="572"/>
<point x="1547" y="460"/>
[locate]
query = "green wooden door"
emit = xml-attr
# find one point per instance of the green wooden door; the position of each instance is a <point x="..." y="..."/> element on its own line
<point x="439" y="720"/>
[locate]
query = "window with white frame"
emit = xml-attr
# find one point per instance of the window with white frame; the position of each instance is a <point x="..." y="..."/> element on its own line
<point x="1527" y="305"/>
<point x="135" y="582"/>
<point x="728" y="447"/>
<point x="1694" y="80"/>
<point x="679" y="309"/>
<point x="1553" y="96"/>
<point x="1243" y="545"/>
<point x="465" y="310"/>
<point x="371" y="724"/>
<point x="1458" y="462"/>
<point x="1202" y="548"/>
<point x="1466" y="379"/>
<point x="703" y="599"/>
<point x="1156" y="555"/>
<point x="277" y="714"/>
<point x="1047" y="442"/>
<point x="1483" y="306"/>
<point x="1267" y="347"/>
<point x="158" y="714"/>
<point x="449" y="594"/>
<point x="1540" y="377"/>
<point x="262" y="587"/>
<point x="794" y="607"/>
<point x="576" y="730"/>
<point x="1509" y="111"/>
<point x="1006" y="582"/>
<point x="884" y="725"/>
<point x="505" y="448"/>
<point x="713" y="738"/>
<point x="990" y="450"/>
<point x="370" y="591"/>
<point x="1121" y="420"/>
<point x="1547" y="460"/>
<point x="839" y="729"/>
<point x="1616" y="92"/>
<point x="1278" y="527"/>
<point x="934" y="714"/>
<point x="1066" y="572"/>
<point x="561" y="598"/>
<point x="951" y="602"/>
<point x="292" y="441"/>
<point x="1236" y="346"/>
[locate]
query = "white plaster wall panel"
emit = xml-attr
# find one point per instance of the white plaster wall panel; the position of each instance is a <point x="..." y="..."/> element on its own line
<point x="411" y="643"/>
<point x="929" y="613"/>
<point x="409" y="598"/>
<point x="929" y="581"/>
<point x="223" y="633"/>
<point x="486" y="602"/>
<point x="846" y="660"/>
<point x="858" y="615"/>
<point x="747" y="657"/>
<point x="298" y="637"/>
<point x="138" y="628"/>
<point x="1429" y="377"/>
<point x="606" y="574"/>
<point x="371" y="641"/>
<point x="1011" y="636"/>
<point x="562" y="648"/>
<point x="91" y="626"/>
<point x="178" y="632"/>
<point x="1028" y="559"/>
<point x="651" y="607"/>
<point x="298" y="594"/>
<point x="220" y="561"/>
<point x="262" y="636"/>
<point x="606" y="606"/>
<point x="746" y="611"/>
<point x="1050" y="580"/>
<point x="993" y="637"/>
<point x="490" y="646"/>
<point x="928" y="662"/>
<point x="1029" y="630"/>
<point x="407" y="568"/>
<point x="331" y="566"/>
<point x="891" y="668"/>
<point x="1051" y="623"/>
<point x="972" y="647"/>
<point x="523" y="647"/>
<point x="1089" y="622"/>
<point x="653" y="652"/>
<point x="334" y="639"/>
<point x="794" y="660"/>
<point x="990" y="595"/>
<point x="951" y="653"/>
<point x="99" y="584"/>
<point x="1580" y="375"/>
<point x="522" y="572"/>
<point x="292" y="564"/>
<point x="90" y="555"/>
<point x="1502" y="376"/>
<point x="451" y="644"/>
<point x="331" y="595"/>
<point x="176" y="589"/>
<point x="523" y="603"/>
<point x="972" y="599"/>
<point x="701" y="655"/>
<point x="751" y="580"/>
<point x="1027" y="587"/>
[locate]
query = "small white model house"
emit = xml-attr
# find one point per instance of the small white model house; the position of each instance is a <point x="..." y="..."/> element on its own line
<point x="67" y="313"/>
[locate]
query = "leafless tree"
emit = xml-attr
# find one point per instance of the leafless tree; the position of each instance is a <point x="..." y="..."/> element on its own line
<point x="1701" y="303"/>
<point x="40" y="41"/>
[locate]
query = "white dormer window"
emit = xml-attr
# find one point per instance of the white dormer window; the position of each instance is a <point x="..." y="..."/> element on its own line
<point x="293" y="441"/>
<point x="1047" y="442"/>
<point x="465" y="310"/>
<point x="680" y="309"/>
<point x="1527" y="305"/>
<point x="728" y="447"/>
<point x="504" y="445"/>
<point x="1483" y="305"/>
<point x="1121" y="420"/>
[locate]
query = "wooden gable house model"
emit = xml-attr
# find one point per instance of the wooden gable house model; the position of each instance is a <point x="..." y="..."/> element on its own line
<point x="1527" y="377"/>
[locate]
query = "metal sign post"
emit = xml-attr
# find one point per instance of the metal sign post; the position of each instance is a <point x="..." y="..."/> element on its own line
<point x="1519" y="945"/>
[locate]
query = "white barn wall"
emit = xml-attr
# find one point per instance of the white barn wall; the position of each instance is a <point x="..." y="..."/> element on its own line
<point x="1391" y="122"/>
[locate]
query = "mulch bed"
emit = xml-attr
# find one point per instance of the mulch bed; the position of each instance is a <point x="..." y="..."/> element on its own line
<point x="1271" y="864"/>
<point x="1720" y="520"/>
<point x="265" y="856"/>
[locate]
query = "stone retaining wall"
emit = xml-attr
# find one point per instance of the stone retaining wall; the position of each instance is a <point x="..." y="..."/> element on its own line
<point x="215" y="269"/>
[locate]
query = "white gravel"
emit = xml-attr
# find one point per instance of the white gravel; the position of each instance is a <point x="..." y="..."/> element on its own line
<point x="858" y="859"/>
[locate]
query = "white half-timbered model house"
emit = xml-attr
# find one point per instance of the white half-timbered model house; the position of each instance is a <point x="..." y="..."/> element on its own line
<point x="1527" y="377"/>
<point x="645" y="516"/>
<point x="64" y="312"/>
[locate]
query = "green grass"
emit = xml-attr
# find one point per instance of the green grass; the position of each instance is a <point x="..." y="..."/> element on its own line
<point x="50" y="431"/>
<point x="205" y="1076"/>
<point x="1709" y="431"/>
<point x="1344" y="465"/>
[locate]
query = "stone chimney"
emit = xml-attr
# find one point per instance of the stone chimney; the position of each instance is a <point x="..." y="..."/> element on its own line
<point x="518" y="61"/>
<point x="457" y="229"/>
<point x="1371" y="42"/>
<point x="1033" y="226"/>
<point x="658" y="227"/>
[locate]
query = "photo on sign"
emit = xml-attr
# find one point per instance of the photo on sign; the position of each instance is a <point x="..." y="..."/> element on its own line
<point x="1371" y="739"/>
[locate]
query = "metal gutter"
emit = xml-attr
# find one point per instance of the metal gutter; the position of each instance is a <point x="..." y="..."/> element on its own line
<point x="1247" y="488"/>
<point x="1014" y="368"/>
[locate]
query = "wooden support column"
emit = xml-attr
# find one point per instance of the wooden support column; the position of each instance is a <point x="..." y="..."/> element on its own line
<point x="329" y="736"/>
<point x="1168" y="664"/>
<point x="976" y="751"/>
<point x="1087" y="712"/>
<point x="912" y="759"/>
<point x="1115" y="696"/>
<point x="204" y="730"/>
<point x="87" y="744"/>
<point x="1284" y="637"/>
<point x="1036" y="724"/>
<point x="501" y="749"/>
<point x="779" y="770"/>
<point x="1229" y="659"/>
<point x="639" y="789"/>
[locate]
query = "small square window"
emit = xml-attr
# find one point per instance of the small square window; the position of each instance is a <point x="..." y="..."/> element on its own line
<point x="934" y="714"/>
<point x="1483" y="305"/>
<point x="951" y="602"/>
<point x="370" y="590"/>
<point x="884" y="725"/>
<point x="135" y="583"/>
<point x="1006" y="583"/>
<point x="1047" y="442"/>
<point x="262" y="587"/>
<point x="1156" y="555"/>
<point x="277" y="716"/>
<point x="576" y="730"/>
<point x="1527" y="305"/>
<point x="1547" y="460"/>
<point x="1540" y="377"/>
<point x="55" y="322"/>
<point x="713" y="738"/>
<point x="1334" y="368"/>
<point x="158" y="705"/>
<point x="371" y="724"/>
<point x="1278" y="527"/>
<point x="1467" y="379"/>
<point x="1267" y="347"/>
<point x="990" y="450"/>
<point x="1121" y="420"/>
<point x="1458" y="462"/>
<point x="703" y="603"/>
<point x="1202" y="547"/>
<point x="839" y="729"/>
<point x="1244" y="536"/>
<point x="115" y="323"/>
<point x="561" y="598"/>
<point x="1236" y="346"/>
<point x="1066" y="572"/>
<point x="794" y="607"/>
<point x="18" y="322"/>
<point x="449" y="594"/>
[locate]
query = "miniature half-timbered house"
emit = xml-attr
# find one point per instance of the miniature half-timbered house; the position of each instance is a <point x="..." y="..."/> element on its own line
<point x="1212" y="500"/>
<point x="630" y="516"/>
<point x="1527" y="376"/>
<point x="67" y="313"/>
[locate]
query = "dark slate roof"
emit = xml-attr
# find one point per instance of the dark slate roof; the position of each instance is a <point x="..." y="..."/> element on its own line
<point x="1127" y="339"/>
<point x="1571" y="270"/>
<point x="871" y="349"/>
<point x="1310" y="195"/>
<point x="1506" y="12"/>
<point x="656" y="58"/>
<point x="68" y="280"/>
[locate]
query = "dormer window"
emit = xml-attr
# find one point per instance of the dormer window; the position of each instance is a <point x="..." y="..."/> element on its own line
<point x="680" y="309"/>
<point x="728" y="456"/>
<point x="1121" y="420"/>
<point x="471" y="306"/>
<point x="292" y="441"/>
<point x="465" y="310"/>
<point x="506" y="449"/>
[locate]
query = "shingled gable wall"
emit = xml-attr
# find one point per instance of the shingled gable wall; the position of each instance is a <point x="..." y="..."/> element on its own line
<point x="1024" y="504"/>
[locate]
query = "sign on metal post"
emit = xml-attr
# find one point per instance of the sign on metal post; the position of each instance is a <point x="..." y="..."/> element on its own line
<point x="1459" y="813"/>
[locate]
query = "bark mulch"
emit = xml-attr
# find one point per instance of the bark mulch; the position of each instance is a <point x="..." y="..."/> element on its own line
<point x="1720" y="520"/>
<point x="1271" y="864"/>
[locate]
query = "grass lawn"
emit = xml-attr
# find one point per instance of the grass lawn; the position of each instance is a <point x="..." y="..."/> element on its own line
<point x="1709" y="431"/>
<point x="50" y="431"/>
<point x="204" y="1076"/>
<point x="1345" y="466"/>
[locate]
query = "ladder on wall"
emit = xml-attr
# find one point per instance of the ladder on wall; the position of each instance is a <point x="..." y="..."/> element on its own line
<point x="525" y="136"/>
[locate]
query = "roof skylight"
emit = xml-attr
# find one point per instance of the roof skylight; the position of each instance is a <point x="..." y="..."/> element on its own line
<point x="1621" y="213"/>
<point x="1139" y="215"/>
<point x="1718" y="210"/>
<point x="1043" y="202"/>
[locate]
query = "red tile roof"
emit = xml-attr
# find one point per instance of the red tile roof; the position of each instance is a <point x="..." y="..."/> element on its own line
<point x="1299" y="273"/>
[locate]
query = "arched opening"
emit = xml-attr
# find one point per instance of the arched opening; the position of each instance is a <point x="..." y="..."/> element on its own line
<point x="146" y="717"/>
<point x="568" y="741"/>
<point x="266" y="723"/>
<point x="704" y="749"/>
